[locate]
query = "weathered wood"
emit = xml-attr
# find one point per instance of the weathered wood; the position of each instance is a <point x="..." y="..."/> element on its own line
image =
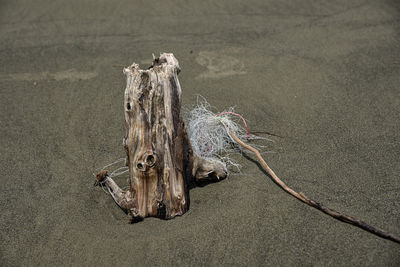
<point x="300" y="196"/>
<point x="161" y="162"/>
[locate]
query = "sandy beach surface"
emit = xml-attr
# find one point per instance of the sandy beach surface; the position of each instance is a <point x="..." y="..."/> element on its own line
<point x="324" y="76"/>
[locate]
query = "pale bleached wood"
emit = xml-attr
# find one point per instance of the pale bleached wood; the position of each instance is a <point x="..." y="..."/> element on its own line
<point x="162" y="165"/>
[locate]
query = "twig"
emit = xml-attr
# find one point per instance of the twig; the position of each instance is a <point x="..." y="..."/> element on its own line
<point x="312" y="203"/>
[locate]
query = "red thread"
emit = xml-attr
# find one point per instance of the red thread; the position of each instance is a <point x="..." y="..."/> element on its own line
<point x="237" y="115"/>
<point x="232" y="113"/>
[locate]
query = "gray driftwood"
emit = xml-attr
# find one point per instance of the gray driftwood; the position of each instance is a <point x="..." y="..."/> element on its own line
<point x="162" y="164"/>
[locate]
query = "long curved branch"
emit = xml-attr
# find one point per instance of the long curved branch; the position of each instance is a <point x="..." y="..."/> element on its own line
<point x="312" y="203"/>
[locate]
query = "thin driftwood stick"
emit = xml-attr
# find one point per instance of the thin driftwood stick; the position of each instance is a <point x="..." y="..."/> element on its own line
<point x="312" y="203"/>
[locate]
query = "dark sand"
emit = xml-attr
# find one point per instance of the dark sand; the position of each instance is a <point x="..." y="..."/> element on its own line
<point x="324" y="76"/>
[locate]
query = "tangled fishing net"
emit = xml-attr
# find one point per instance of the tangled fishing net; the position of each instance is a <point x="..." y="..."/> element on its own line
<point x="209" y="132"/>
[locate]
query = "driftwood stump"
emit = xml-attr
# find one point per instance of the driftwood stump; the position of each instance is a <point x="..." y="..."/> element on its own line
<point x="162" y="164"/>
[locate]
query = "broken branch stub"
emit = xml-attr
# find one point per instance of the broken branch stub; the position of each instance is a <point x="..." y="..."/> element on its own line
<point x="162" y="164"/>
